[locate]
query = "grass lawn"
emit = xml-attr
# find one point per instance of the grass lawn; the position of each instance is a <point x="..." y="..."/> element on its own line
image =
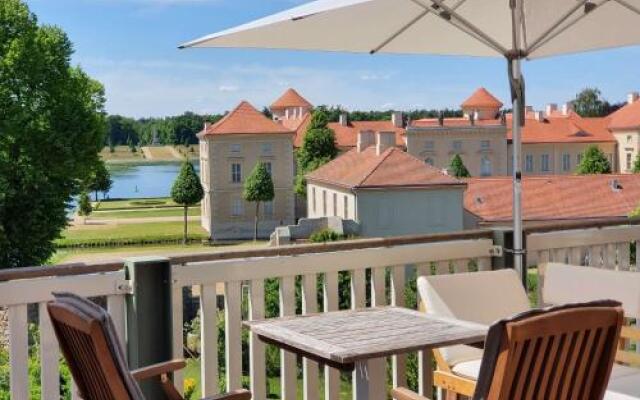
<point x="192" y="371"/>
<point x="143" y="231"/>
<point x="121" y="154"/>
<point x="145" y="213"/>
<point x="122" y="204"/>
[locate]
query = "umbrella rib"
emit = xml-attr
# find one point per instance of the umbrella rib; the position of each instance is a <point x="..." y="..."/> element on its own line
<point x="400" y="31"/>
<point x="628" y="6"/>
<point x="552" y="35"/>
<point x="467" y="27"/>
<point x="555" y="25"/>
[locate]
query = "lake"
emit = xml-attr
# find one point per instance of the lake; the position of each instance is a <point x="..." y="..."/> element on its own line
<point x="143" y="180"/>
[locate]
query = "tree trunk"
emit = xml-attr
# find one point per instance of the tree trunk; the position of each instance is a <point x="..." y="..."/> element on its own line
<point x="96" y="196"/>
<point x="255" y="226"/>
<point x="184" y="239"/>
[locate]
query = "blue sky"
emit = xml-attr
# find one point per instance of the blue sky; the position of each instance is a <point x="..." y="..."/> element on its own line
<point x="131" y="47"/>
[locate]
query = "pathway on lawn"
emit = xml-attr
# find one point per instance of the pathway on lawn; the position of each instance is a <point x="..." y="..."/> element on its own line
<point x="78" y="223"/>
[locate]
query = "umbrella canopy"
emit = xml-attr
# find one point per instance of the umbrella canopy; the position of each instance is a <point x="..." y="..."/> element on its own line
<point x="513" y="29"/>
<point x="448" y="27"/>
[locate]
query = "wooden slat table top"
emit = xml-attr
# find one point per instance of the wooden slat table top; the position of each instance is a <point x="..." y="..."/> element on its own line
<point x="342" y="338"/>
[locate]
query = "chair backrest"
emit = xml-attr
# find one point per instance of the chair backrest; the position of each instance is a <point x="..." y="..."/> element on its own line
<point x="90" y="345"/>
<point x="481" y="297"/>
<point x="558" y="353"/>
<point x="572" y="284"/>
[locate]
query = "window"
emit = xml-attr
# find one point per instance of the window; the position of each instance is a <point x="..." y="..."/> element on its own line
<point x="324" y="203"/>
<point x="544" y="163"/>
<point x="485" y="166"/>
<point x="237" y="207"/>
<point x="566" y="162"/>
<point x="236" y="173"/>
<point x="457" y="145"/>
<point x="267" y="165"/>
<point x="429" y="161"/>
<point x="629" y="157"/>
<point x="579" y="159"/>
<point x="267" y="148"/>
<point x="485" y="144"/>
<point x="528" y="163"/>
<point x="335" y="204"/>
<point x="313" y="199"/>
<point x="346" y="207"/>
<point x="267" y="208"/>
<point x="429" y="145"/>
<point x="235" y="148"/>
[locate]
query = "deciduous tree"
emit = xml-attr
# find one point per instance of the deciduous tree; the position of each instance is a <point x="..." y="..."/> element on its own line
<point x="318" y="148"/>
<point x="258" y="188"/>
<point x="594" y="161"/>
<point x="187" y="191"/>
<point x="52" y="126"/>
<point x="100" y="179"/>
<point x="84" y="205"/>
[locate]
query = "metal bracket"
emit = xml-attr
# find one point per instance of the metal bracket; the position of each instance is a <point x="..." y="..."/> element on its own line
<point x="124" y="287"/>
<point x="496" y="251"/>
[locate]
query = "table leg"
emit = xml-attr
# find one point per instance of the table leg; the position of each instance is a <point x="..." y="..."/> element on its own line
<point x="370" y="380"/>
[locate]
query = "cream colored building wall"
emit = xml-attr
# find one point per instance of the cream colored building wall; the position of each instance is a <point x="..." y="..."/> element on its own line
<point x="225" y="214"/>
<point x="555" y="153"/>
<point x="330" y="201"/>
<point x="436" y="145"/>
<point x="628" y="145"/>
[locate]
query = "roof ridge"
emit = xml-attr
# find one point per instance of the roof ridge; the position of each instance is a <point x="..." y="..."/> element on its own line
<point x="378" y="164"/>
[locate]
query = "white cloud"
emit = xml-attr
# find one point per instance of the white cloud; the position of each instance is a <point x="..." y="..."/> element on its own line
<point x="228" y="88"/>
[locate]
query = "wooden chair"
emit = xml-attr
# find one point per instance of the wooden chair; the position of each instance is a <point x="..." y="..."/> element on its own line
<point x="482" y="297"/>
<point x="91" y="347"/>
<point x="557" y="353"/>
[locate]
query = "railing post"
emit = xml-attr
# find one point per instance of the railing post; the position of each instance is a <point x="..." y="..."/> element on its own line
<point x="503" y="236"/>
<point x="149" y="323"/>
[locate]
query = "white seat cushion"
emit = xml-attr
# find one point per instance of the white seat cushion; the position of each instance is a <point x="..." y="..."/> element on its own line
<point x="468" y="369"/>
<point x="624" y="384"/>
<point x="574" y="284"/>
<point x="481" y="297"/>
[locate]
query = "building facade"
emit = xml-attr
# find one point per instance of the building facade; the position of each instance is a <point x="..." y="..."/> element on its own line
<point x="385" y="190"/>
<point x="625" y="126"/>
<point x="229" y="150"/>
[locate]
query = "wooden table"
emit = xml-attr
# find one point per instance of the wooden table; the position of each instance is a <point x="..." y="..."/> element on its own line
<point x="361" y="339"/>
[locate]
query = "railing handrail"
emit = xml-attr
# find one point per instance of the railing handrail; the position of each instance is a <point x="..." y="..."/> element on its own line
<point x="574" y="225"/>
<point x="92" y="268"/>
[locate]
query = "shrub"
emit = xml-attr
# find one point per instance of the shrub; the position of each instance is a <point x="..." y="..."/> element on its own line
<point x="325" y="235"/>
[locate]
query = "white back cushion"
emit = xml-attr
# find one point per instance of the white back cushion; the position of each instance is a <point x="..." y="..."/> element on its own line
<point x="574" y="284"/>
<point x="482" y="297"/>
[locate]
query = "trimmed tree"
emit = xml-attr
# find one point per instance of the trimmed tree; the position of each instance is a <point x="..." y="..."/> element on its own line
<point x="594" y="161"/>
<point x="318" y="148"/>
<point x="458" y="168"/>
<point x="84" y="205"/>
<point x="636" y="165"/>
<point x="258" y="188"/>
<point x="187" y="191"/>
<point x="100" y="180"/>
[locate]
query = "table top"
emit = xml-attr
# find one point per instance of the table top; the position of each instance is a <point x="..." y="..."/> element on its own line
<point x="342" y="338"/>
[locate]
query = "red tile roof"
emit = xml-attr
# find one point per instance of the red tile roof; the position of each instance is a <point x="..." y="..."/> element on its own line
<point x="554" y="197"/>
<point x="245" y="119"/>
<point x="628" y="117"/>
<point x="481" y="98"/>
<point x="347" y="136"/>
<point x="392" y="169"/>
<point x="564" y="129"/>
<point x="291" y="98"/>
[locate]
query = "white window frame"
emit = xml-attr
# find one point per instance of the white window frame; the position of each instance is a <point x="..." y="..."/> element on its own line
<point x="528" y="163"/>
<point x="629" y="161"/>
<point x="236" y="172"/>
<point x="566" y="162"/>
<point x="544" y="163"/>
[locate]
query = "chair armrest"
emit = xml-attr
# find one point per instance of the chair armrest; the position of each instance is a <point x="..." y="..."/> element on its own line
<point x="406" y="394"/>
<point x="235" y="395"/>
<point x="154" y="370"/>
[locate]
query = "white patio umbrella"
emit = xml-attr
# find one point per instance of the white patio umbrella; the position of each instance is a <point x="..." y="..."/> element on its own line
<point x="512" y="29"/>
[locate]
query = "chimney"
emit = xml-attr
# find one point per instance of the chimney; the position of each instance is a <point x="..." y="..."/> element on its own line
<point x="567" y="108"/>
<point x="344" y="119"/>
<point x="384" y="141"/>
<point x="633" y="97"/>
<point x="206" y="126"/>
<point x="365" y="139"/>
<point x="472" y="118"/>
<point x="615" y="185"/>
<point x="396" y="119"/>
<point x="538" y="115"/>
<point x="551" y="108"/>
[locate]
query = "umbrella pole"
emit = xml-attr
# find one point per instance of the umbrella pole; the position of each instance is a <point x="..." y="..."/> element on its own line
<point x="517" y="89"/>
